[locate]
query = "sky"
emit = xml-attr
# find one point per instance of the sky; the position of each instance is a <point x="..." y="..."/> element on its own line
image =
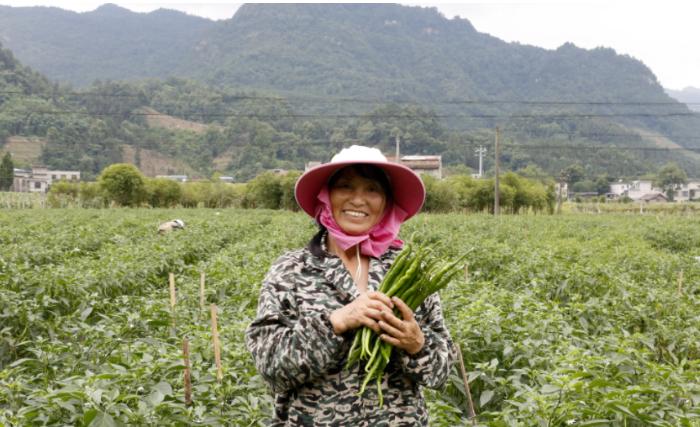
<point x="663" y="34"/>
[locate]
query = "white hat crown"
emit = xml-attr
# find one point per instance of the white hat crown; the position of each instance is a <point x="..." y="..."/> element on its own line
<point x="359" y="153"/>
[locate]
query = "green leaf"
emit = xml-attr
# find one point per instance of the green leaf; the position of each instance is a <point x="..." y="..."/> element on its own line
<point x="549" y="389"/>
<point x="164" y="388"/>
<point x="102" y="419"/>
<point x="590" y="423"/>
<point x="89" y="415"/>
<point x="85" y="313"/>
<point x="485" y="397"/>
<point x="155" y="398"/>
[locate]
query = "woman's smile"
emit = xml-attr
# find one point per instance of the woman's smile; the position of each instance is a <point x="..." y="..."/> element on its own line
<point x="357" y="202"/>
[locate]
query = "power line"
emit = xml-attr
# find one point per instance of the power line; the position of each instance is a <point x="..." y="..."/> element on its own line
<point x="599" y="147"/>
<point x="327" y="99"/>
<point x="349" y="115"/>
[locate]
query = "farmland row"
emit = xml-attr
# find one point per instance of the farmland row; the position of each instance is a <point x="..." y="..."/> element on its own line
<point x="571" y="320"/>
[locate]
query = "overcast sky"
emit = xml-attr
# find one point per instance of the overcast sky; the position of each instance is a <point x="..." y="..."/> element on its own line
<point x="664" y="34"/>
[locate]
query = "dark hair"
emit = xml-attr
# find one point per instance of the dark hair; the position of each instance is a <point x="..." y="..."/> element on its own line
<point x="372" y="172"/>
<point x="315" y="245"/>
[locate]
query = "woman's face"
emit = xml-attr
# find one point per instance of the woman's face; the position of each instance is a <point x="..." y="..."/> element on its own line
<point x="357" y="202"/>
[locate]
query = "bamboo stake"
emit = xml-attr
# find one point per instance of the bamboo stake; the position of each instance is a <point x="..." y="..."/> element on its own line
<point x="173" y="298"/>
<point x="217" y="345"/>
<point x="466" y="271"/>
<point x="680" y="282"/>
<point x="173" y="301"/>
<point x="201" y="291"/>
<point x="188" y="381"/>
<point x="465" y="379"/>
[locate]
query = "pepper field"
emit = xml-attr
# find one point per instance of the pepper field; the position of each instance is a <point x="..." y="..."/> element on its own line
<point x="581" y="320"/>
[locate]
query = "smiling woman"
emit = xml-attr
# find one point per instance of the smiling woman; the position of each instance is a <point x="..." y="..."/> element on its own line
<point x="314" y="300"/>
<point x="358" y="197"/>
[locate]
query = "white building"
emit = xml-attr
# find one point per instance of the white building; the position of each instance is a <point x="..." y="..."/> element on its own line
<point x="40" y="178"/>
<point x="635" y="190"/>
<point x="687" y="192"/>
<point x="429" y="165"/>
<point x="644" y="190"/>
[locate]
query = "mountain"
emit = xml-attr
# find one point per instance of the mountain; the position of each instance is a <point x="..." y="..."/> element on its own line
<point x="108" y="43"/>
<point x="379" y="50"/>
<point x="280" y="84"/>
<point x="689" y="95"/>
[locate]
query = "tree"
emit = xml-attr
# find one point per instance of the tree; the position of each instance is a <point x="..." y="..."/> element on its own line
<point x="573" y="174"/>
<point x="163" y="193"/>
<point x="264" y="191"/>
<point x="123" y="184"/>
<point x="7" y="173"/>
<point x="670" y="178"/>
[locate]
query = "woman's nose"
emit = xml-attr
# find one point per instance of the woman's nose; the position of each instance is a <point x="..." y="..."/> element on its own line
<point x="357" y="196"/>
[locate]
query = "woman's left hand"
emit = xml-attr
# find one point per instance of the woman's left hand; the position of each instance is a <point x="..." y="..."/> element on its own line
<point x="402" y="333"/>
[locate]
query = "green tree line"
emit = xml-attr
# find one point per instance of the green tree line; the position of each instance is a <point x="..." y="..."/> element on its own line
<point x="123" y="185"/>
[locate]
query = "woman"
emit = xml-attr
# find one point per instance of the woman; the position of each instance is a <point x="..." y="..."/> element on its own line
<point x="314" y="299"/>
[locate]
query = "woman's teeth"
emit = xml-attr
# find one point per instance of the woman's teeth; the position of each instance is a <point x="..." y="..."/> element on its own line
<point x="357" y="214"/>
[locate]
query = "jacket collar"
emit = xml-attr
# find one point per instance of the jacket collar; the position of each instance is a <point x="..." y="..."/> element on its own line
<point x="338" y="277"/>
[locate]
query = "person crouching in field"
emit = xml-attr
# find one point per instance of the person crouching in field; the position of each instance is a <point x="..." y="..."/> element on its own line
<point x="169" y="226"/>
<point x="314" y="299"/>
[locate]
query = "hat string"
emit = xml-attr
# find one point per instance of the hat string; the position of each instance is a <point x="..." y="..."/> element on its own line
<point x="358" y="271"/>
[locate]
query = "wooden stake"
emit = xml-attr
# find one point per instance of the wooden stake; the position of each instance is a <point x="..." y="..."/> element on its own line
<point x="188" y="381"/>
<point x="680" y="282"/>
<point x="466" y="271"/>
<point x="217" y="345"/>
<point x="465" y="379"/>
<point x="173" y="298"/>
<point x="201" y="291"/>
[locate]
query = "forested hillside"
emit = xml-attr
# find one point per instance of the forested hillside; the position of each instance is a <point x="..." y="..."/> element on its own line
<point x="279" y="85"/>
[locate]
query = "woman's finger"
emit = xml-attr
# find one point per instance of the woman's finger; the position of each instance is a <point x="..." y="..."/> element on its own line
<point x="371" y="323"/>
<point x="390" y="318"/>
<point x="391" y="340"/>
<point x="391" y="330"/>
<point x="378" y="296"/>
<point x="405" y="310"/>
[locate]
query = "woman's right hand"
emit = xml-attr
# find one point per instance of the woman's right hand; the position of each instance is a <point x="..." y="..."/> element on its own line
<point x="366" y="310"/>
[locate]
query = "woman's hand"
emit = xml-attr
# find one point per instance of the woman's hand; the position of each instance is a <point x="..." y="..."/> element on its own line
<point x="366" y="310"/>
<point x="402" y="333"/>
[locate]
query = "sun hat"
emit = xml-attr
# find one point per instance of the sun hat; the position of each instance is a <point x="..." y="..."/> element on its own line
<point x="407" y="187"/>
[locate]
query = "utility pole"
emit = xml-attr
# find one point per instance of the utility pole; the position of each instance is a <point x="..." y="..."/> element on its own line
<point x="398" y="150"/>
<point x="480" y="152"/>
<point x="497" y="192"/>
<point x="563" y="178"/>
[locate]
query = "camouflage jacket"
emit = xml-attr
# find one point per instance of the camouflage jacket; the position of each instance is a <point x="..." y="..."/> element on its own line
<point x="297" y="353"/>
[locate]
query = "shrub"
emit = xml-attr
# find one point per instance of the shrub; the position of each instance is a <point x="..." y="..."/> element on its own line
<point x="264" y="191"/>
<point x="163" y="192"/>
<point x="123" y="184"/>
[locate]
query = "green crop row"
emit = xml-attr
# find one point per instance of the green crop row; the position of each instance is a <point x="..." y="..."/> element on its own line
<point x="571" y="320"/>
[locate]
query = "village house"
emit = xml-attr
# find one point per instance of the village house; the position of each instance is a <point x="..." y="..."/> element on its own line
<point x="429" y="165"/>
<point x="643" y="190"/>
<point x="39" y="179"/>
<point x="687" y="192"/>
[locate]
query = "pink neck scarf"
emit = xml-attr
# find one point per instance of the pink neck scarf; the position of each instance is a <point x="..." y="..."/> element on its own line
<point x="376" y="241"/>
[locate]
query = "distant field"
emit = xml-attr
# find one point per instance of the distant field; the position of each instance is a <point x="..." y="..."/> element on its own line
<point x="152" y="163"/>
<point x="157" y="119"/>
<point x="26" y="150"/>
<point x="583" y="320"/>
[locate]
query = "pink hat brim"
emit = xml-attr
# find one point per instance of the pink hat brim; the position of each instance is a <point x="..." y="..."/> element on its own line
<point x="407" y="187"/>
